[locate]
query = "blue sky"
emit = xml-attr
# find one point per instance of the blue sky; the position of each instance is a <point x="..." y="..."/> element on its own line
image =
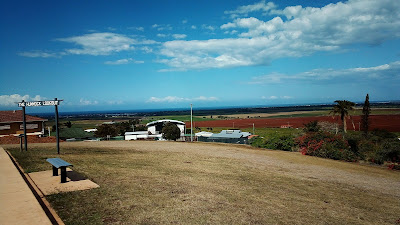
<point x="121" y="55"/>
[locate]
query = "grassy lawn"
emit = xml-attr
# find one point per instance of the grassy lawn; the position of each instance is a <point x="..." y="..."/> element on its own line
<point x="144" y="182"/>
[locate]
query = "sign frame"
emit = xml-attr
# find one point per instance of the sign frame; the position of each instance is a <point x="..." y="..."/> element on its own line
<point x="54" y="103"/>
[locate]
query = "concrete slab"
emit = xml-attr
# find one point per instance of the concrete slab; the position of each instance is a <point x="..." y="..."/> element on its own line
<point x="18" y="205"/>
<point x="50" y="184"/>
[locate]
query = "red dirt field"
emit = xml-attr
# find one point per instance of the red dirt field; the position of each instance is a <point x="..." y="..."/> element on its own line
<point x="388" y="122"/>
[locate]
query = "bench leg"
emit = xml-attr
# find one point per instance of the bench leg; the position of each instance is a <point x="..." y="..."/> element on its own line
<point x="55" y="171"/>
<point x="63" y="174"/>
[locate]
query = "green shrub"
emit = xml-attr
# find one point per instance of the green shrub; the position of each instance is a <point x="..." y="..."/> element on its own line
<point x="277" y="142"/>
<point x="325" y="145"/>
<point x="282" y="142"/>
<point x="312" y="126"/>
<point x="257" y="142"/>
<point x="390" y="151"/>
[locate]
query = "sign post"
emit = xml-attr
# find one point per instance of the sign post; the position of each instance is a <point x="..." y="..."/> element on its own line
<point x="24" y="122"/>
<point x="57" y="133"/>
<point x="54" y="102"/>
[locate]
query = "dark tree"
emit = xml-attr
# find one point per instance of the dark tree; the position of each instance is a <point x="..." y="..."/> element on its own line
<point x="68" y="124"/>
<point x="312" y="126"/>
<point x="106" y="129"/>
<point x="140" y="127"/>
<point x="123" y="127"/>
<point x="342" y="108"/>
<point x="365" y="116"/>
<point x="171" y="132"/>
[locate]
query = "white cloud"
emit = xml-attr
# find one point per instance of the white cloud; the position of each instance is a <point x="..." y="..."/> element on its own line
<point x="270" y="97"/>
<point x="146" y="49"/>
<point x="94" y="44"/>
<point x="184" y="21"/>
<point x="161" y="35"/>
<point x="136" y="28"/>
<point x="273" y="97"/>
<point x="300" y="32"/>
<point x="244" y="10"/>
<point x="87" y="102"/>
<point x="202" y="98"/>
<point x="381" y="72"/>
<point x="161" y="27"/>
<point x="179" y="36"/>
<point x="208" y="27"/>
<point x="39" y="54"/>
<point x="167" y="99"/>
<point x="99" y="43"/>
<point x="172" y="99"/>
<point x="11" y="100"/>
<point x="123" y="61"/>
<point x="193" y="27"/>
<point x="115" y="102"/>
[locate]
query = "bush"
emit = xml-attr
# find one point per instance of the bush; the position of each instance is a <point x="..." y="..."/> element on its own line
<point x="257" y="142"/>
<point x="171" y="132"/>
<point x="383" y="134"/>
<point x="106" y="129"/>
<point x="325" y="145"/>
<point x="277" y="142"/>
<point x="390" y="151"/>
<point x="312" y="126"/>
<point x="283" y="142"/>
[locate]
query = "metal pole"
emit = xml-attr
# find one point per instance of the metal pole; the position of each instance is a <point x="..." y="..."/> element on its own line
<point x="191" y="122"/>
<point x="20" y="142"/>
<point x="254" y="132"/>
<point x="24" y="122"/>
<point x="58" y="138"/>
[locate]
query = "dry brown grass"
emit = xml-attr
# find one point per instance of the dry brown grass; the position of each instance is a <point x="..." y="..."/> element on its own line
<point x="197" y="183"/>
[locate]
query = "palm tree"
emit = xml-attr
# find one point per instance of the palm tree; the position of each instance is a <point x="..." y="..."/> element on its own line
<point x="342" y="108"/>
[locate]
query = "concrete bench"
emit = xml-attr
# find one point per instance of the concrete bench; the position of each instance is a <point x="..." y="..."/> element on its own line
<point x="59" y="163"/>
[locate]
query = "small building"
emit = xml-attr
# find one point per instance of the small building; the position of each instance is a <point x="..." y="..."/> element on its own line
<point x="228" y="136"/>
<point x="135" y="135"/>
<point x="156" y="127"/>
<point x="286" y="126"/>
<point x="154" y="130"/>
<point x="11" y="123"/>
<point x="90" y="130"/>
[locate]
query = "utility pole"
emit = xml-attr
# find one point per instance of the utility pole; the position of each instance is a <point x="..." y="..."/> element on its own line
<point x="191" y="122"/>
<point x="254" y="132"/>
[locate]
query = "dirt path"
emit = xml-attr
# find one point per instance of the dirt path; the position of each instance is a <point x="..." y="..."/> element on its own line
<point x="290" y="164"/>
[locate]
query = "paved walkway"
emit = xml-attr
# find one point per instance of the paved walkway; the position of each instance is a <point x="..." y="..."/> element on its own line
<point x="18" y="205"/>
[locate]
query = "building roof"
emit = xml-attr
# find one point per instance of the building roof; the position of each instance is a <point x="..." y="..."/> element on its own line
<point x="16" y="116"/>
<point x="203" y="134"/>
<point x="231" y="134"/>
<point x="165" y="121"/>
